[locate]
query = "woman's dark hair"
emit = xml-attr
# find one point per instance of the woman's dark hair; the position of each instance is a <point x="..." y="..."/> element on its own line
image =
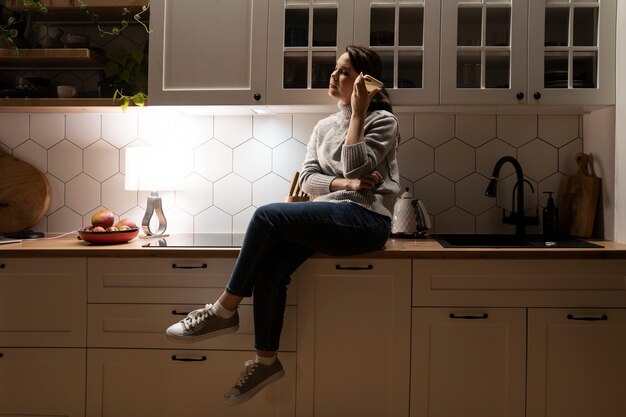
<point x="367" y="61"/>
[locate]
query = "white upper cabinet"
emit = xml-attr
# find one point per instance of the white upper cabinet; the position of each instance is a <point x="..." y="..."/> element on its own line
<point x="572" y="51"/>
<point x="208" y="52"/>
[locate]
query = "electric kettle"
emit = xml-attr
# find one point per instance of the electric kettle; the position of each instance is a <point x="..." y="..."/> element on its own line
<point x="410" y="217"/>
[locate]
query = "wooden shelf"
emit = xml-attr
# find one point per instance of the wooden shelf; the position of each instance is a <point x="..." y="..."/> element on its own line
<point x="52" y="58"/>
<point x="69" y="10"/>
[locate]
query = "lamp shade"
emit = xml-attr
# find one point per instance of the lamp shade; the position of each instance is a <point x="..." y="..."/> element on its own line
<point x="153" y="169"/>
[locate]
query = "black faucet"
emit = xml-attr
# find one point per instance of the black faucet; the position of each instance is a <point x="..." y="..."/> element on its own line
<point x="517" y="217"/>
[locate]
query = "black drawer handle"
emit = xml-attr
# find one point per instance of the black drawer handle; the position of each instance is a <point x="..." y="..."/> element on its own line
<point x="1" y="354"/>
<point x="176" y="266"/>
<point x="469" y="316"/>
<point x="175" y="358"/>
<point x="354" y="268"/>
<point x="2" y="266"/>
<point x="588" y="318"/>
<point x="180" y="313"/>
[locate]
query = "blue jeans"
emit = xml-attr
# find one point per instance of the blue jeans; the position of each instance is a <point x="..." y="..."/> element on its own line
<point x="280" y="237"/>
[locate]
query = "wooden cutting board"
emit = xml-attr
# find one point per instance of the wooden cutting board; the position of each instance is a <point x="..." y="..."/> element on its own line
<point x="578" y="200"/>
<point x="24" y="194"/>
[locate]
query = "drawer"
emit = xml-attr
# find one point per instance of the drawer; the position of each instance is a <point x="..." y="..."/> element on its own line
<point x="162" y="280"/>
<point x="513" y="283"/>
<point x="143" y="326"/>
<point x="43" y="303"/>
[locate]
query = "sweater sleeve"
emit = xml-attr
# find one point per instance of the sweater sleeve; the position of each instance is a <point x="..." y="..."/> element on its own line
<point x="312" y="179"/>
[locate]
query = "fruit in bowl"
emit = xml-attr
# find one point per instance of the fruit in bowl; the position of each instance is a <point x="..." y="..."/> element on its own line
<point x="103" y="218"/>
<point x="103" y="231"/>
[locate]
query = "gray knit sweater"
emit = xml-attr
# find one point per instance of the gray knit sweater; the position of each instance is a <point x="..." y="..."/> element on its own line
<point x="328" y="157"/>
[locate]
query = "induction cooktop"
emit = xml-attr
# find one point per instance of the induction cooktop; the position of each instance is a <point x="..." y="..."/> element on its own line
<point x="198" y="240"/>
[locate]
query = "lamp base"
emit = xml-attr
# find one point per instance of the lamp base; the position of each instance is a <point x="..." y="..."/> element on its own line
<point x="154" y="207"/>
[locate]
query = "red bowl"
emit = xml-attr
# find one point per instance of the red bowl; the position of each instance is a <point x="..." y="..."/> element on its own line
<point x="108" y="238"/>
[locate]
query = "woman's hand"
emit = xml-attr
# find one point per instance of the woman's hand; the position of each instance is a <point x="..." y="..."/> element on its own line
<point x="366" y="182"/>
<point x="361" y="98"/>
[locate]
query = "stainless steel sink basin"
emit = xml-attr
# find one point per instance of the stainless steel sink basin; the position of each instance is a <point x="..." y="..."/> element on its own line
<point x="509" y="241"/>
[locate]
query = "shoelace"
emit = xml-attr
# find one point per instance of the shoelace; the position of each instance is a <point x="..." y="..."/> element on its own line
<point x="250" y="367"/>
<point x="197" y="317"/>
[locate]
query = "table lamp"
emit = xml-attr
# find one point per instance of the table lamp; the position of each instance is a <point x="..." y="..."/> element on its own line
<point x="153" y="169"/>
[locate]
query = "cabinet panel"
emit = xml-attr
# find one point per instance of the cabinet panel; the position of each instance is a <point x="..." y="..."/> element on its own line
<point x="42" y="382"/>
<point x="354" y="338"/>
<point x="468" y="362"/>
<point x="208" y="52"/>
<point x="143" y="326"/>
<point x="43" y="303"/>
<point x="179" y="383"/>
<point x="576" y="362"/>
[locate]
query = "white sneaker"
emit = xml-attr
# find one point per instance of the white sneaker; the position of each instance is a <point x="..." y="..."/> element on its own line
<point x="201" y="324"/>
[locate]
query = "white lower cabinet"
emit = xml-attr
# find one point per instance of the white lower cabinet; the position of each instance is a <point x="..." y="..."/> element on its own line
<point x="354" y="324"/>
<point x="42" y="382"/>
<point x="468" y="362"/>
<point x="576" y="362"/>
<point x="180" y="383"/>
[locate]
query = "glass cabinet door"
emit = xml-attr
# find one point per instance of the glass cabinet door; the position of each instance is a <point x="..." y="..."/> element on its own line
<point x="483" y="51"/>
<point x="572" y="51"/>
<point x="305" y="39"/>
<point x="405" y="34"/>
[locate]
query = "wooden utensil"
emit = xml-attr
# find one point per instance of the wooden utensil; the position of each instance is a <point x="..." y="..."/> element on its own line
<point x="294" y="184"/>
<point x="24" y="194"/>
<point x="578" y="200"/>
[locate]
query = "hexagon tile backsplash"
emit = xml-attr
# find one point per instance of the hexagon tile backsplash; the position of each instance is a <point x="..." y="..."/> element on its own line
<point x="237" y="163"/>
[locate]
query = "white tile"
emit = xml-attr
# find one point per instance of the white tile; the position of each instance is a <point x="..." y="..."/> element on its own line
<point x="242" y="219"/>
<point x="488" y="154"/>
<point x="303" y="125"/>
<point x="157" y="129"/>
<point x="15" y="129"/>
<point x="516" y="130"/>
<point x="287" y="158"/>
<point x="213" y="220"/>
<point x="538" y="159"/>
<point x="83" y="129"/>
<point x="196" y="195"/>
<point x="470" y="194"/>
<point x="269" y="189"/>
<point x="558" y="130"/>
<point x="252" y="160"/>
<point x="32" y="153"/>
<point x="567" y="156"/>
<point x="82" y="194"/>
<point x="505" y="188"/>
<point x="405" y="124"/>
<point x="233" y="130"/>
<point x="232" y="194"/>
<point x="415" y="159"/>
<point x="454" y="160"/>
<point x="119" y="129"/>
<point x="271" y="130"/>
<point x="65" y="160"/>
<point x="136" y="214"/>
<point x="552" y="184"/>
<point x="115" y="197"/>
<point x="178" y="221"/>
<point x="491" y="222"/>
<point x="404" y="184"/>
<point x="475" y="129"/>
<point x="433" y="129"/>
<point x="57" y="194"/>
<point x="194" y="130"/>
<point x="47" y="129"/>
<point x="455" y="220"/>
<point x="213" y="160"/>
<point x="436" y="191"/>
<point x="102" y="160"/>
<point x="64" y="220"/>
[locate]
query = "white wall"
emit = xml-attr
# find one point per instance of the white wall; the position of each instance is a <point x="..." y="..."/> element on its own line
<point x="620" y="127"/>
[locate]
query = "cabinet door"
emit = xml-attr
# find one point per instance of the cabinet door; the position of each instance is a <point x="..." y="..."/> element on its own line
<point x="468" y="362"/>
<point x="483" y="51"/>
<point x="42" y="382"/>
<point x="405" y="33"/>
<point x="43" y="303"/>
<point x="208" y="52"/>
<point x="354" y="338"/>
<point x="305" y="39"/>
<point x="572" y="51"/>
<point x="576" y="362"/>
<point x="149" y="383"/>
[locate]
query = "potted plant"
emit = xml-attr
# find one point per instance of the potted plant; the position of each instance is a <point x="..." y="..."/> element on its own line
<point x="125" y="76"/>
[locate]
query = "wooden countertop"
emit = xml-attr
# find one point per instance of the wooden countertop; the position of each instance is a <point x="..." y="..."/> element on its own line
<point x="70" y="246"/>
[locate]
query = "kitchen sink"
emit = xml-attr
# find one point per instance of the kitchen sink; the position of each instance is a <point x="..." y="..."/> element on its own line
<point x="509" y="241"/>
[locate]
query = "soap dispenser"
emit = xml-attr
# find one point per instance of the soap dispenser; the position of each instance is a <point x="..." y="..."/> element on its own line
<point x="550" y="218"/>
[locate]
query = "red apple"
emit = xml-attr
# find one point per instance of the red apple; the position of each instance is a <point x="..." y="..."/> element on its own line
<point x="87" y="228"/>
<point x="103" y="218"/>
<point x="126" y="224"/>
<point x="98" y="229"/>
<point x="112" y="229"/>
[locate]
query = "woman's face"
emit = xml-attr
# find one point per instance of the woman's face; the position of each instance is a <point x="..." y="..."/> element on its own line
<point x="342" y="80"/>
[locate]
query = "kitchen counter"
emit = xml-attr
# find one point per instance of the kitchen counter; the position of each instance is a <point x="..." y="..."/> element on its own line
<point x="71" y="246"/>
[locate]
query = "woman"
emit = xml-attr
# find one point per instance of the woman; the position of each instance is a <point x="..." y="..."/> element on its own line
<point x="351" y="167"/>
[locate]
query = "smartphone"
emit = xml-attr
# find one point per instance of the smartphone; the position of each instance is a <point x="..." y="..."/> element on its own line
<point x="371" y="83"/>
